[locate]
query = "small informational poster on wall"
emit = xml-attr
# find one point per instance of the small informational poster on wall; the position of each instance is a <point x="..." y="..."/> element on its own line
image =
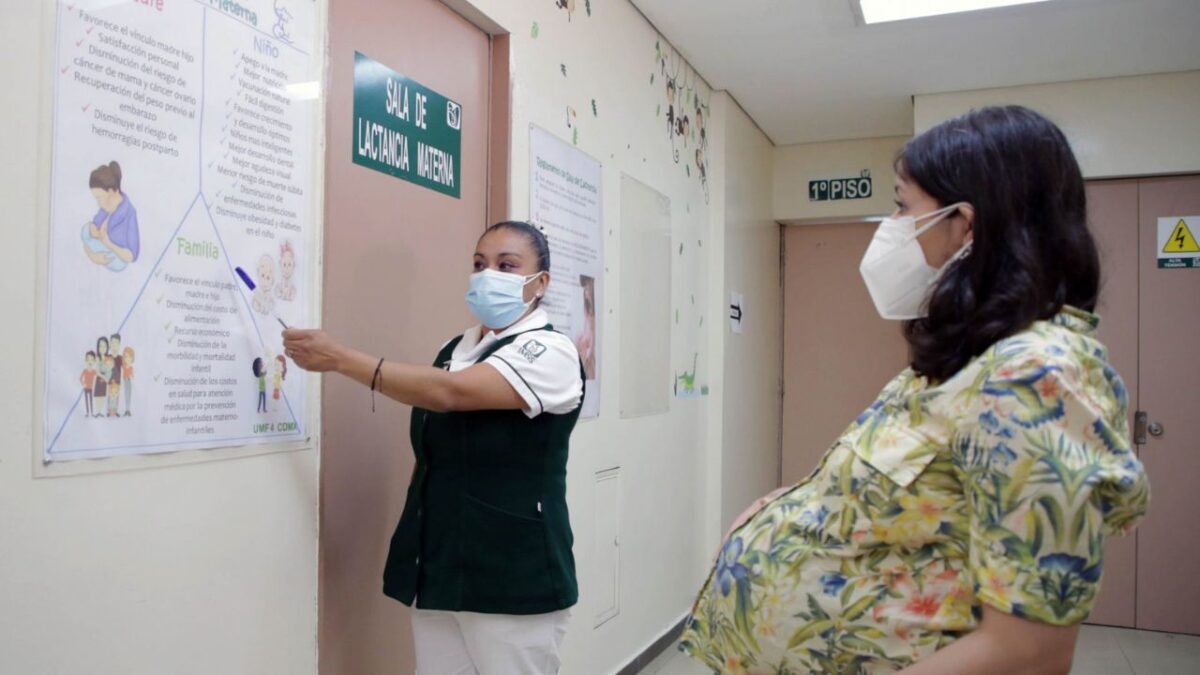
<point x="181" y="224"/>
<point x="564" y="200"/>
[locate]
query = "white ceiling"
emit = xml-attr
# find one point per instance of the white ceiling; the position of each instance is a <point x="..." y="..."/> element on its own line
<point x="806" y="71"/>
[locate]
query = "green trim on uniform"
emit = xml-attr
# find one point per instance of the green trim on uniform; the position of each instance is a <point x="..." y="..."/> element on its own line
<point x="485" y="527"/>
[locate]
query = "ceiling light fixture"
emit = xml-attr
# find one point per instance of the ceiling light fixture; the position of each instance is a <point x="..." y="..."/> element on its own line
<point x="881" y="11"/>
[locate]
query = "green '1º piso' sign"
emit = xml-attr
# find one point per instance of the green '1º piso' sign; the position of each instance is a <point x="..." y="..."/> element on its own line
<point x="833" y="189"/>
<point x="405" y="129"/>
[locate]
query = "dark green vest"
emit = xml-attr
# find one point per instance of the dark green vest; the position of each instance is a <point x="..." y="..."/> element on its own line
<point x="485" y="527"/>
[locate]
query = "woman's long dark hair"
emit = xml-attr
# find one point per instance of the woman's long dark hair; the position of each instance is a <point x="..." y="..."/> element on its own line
<point x="1032" y="252"/>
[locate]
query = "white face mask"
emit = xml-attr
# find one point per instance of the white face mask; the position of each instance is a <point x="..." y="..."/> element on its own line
<point x="894" y="266"/>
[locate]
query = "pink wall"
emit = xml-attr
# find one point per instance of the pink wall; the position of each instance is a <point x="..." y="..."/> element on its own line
<point x="1112" y="215"/>
<point x="828" y="311"/>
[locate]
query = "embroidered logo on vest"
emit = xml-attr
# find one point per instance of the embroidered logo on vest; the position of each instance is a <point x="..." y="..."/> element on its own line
<point x="532" y="350"/>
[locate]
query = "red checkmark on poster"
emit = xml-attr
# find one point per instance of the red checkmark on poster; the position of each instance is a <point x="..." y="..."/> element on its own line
<point x="90" y="29"/>
<point x="64" y="70"/>
<point x="79" y="43"/>
<point x="85" y="108"/>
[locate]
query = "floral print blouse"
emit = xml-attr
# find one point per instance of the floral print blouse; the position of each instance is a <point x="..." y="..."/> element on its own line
<point x="997" y="486"/>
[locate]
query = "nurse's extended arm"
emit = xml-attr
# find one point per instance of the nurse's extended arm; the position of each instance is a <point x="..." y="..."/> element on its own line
<point x="479" y="387"/>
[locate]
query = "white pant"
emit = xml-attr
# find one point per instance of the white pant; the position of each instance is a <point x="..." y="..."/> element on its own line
<point x="466" y="643"/>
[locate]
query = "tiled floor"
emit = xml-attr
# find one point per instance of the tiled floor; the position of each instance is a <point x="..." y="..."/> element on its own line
<point x="1100" y="651"/>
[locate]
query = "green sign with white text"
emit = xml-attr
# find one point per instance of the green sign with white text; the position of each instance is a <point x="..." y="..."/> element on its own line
<point x="404" y="129"/>
<point x="833" y="189"/>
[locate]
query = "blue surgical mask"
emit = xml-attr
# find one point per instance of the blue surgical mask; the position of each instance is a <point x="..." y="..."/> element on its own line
<point x="498" y="298"/>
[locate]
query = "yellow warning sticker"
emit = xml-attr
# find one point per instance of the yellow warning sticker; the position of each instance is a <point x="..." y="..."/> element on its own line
<point x="1181" y="240"/>
<point x="1177" y="247"/>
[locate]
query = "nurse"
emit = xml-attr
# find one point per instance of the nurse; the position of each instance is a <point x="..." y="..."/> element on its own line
<point x="483" y="547"/>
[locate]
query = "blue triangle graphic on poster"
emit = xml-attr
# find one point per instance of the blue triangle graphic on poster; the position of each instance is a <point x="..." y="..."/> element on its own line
<point x="198" y="216"/>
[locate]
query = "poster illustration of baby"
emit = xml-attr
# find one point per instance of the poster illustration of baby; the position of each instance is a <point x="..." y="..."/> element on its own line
<point x="110" y="238"/>
<point x="286" y="289"/>
<point x="263" y="299"/>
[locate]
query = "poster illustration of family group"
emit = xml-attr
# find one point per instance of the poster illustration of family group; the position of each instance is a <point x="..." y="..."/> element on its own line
<point x="181" y="222"/>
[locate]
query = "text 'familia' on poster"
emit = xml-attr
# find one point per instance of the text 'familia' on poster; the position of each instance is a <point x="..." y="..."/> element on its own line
<point x="405" y="129"/>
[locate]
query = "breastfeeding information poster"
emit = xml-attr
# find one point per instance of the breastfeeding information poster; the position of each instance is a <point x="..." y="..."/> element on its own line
<point x="182" y="153"/>
<point x="564" y="200"/>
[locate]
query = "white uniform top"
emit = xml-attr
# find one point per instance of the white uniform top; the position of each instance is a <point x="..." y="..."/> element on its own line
<point x="542" y="367"/>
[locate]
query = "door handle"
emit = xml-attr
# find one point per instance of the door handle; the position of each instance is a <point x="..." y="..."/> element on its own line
<point x="1156" y="429"/>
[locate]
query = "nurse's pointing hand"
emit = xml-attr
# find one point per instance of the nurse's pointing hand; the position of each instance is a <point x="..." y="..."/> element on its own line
<point x="312" y="350"/>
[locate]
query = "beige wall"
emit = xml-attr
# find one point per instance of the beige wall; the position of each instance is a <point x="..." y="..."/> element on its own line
<point x="662" y="560"/>
<point x="710" y="526"/>
<point x="1123" y="126"/>
<point x="672" y="483"/>
<point x="796" y="165"/>
<point x="750" y="439"/>
<point x="205" y="568"/>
